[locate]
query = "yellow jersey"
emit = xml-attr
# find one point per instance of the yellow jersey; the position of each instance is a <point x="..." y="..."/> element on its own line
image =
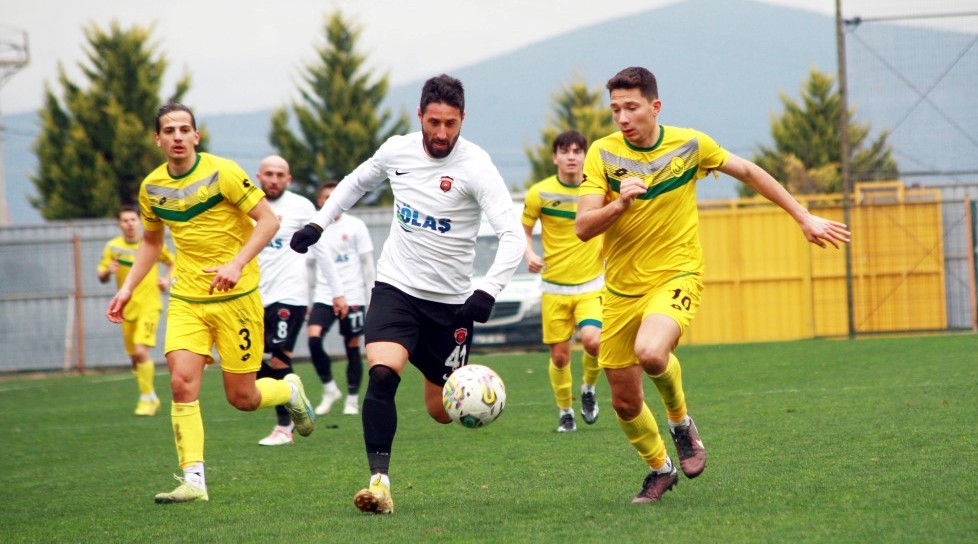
<point x="207" y="212"/>
<point x="569" y="261"/>
<point x="657" y="238"/>
<point x="146" y="295"/>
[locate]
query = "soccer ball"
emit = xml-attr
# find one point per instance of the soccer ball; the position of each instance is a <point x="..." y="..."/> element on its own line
<point x="474" y="396"/>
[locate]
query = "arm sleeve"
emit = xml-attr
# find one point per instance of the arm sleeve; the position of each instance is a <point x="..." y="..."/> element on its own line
<point x="326" y="271"/>
<point x="351" y="189"/>
<point x="369" y="273"/>
<point x="512" y="245"/>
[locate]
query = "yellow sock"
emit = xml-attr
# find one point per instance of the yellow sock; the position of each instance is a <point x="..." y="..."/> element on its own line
<point x="144" y="373"/>
<point x="591" y="369"/>
<point x="560" y="380"/>
<point x="643" y="433"/>
<point x="188" y="432"/>
<point x="273" y="392"/>
<point x="670" y="386"/>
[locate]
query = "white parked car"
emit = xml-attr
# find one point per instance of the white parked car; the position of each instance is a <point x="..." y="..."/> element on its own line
<point x="515" y="319"/>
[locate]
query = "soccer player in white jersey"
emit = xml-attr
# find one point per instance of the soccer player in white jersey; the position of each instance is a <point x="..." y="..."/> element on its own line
<point x="283" y="284"/>
<point x="423" y="304"/>
<point x="347" y="244"/>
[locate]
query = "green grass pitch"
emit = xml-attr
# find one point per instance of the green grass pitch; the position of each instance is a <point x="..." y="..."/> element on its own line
<point x="869" y="440"/>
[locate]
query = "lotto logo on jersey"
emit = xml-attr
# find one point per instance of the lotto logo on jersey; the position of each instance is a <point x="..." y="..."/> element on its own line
<point x="412" y="220"/>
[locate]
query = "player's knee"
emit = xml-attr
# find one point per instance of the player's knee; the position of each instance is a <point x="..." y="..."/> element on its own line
<point x="383" y="382"/>
<point x="653" y="361"/>
<point x="627" y="409"/>
<point x="591" y="344"/>
<point x="242" y="401"/>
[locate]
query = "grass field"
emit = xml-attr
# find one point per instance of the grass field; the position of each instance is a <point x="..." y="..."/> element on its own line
<point x="818" y="441"/>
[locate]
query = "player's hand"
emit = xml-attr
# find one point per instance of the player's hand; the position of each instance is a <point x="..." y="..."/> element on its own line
<point x="117" y="306"/>
<point x="534" y="263"/>
<point x="226" y="277"/>
<point x="305" y="237"/>
<point x="113" y="266"/>
<point x="629" y="189"/>
<point x="819" y="230"/>
<point x="478" y="306"/>
<point x="340" y="307"/>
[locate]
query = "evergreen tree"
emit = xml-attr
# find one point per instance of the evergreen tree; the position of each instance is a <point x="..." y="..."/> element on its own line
<point x="95" y="147"/>
<point x="338" y="118"/>
<point x="575" y="107"/>
<point x="806" y="155"/>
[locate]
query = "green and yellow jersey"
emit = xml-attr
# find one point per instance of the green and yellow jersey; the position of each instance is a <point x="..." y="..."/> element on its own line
<point x="146" y="295"/>
<point x="657" y="238"/>
<point x="207" y="212"/>
<point x="569" y="260"/>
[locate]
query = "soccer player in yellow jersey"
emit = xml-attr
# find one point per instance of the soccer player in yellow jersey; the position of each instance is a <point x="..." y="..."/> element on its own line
<point x="219" y="221"/>
<point x="142" y="315"/>
<point x="573" y="277"/>
<point x="639" y="191"/>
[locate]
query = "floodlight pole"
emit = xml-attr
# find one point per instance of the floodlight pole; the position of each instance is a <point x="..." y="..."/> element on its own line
<point x="14" y="55"/>
<point x="840" y="44"/>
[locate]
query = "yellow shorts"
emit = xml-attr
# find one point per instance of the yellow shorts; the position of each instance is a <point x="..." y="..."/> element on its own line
<point x="562" y="313"/>
<point x="141" y="330"/>
<point x="678" y="298"/>
<point x="235" y="326"/>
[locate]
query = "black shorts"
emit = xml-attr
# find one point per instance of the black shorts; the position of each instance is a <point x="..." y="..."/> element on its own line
<point x="436" y="339"/>
<point x="350" y="326"/>
<point x="282" y="325"/>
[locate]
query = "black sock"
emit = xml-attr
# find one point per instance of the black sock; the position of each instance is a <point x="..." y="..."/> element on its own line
<point x="380" y="417"/>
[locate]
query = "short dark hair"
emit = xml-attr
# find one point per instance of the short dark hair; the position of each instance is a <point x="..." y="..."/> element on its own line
<point x="443" y="89"/>
<point x="171" y="107"/>
<point x="635" y="77"/>
<point x="126" y="208"/>
<point x="568" y="138"/>
<point x="331" y="184"/>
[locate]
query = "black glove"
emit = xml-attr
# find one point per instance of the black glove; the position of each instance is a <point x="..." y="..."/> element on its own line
<point x="478" y="306"/>
<point x="305" y="237"/>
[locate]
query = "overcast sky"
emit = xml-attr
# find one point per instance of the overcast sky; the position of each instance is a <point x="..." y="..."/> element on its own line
<point x="245" y="55"/>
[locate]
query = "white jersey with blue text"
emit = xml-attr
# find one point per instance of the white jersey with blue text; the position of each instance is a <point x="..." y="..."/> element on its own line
<point x="283" y="271"/>
<point x="346" y="240"/>
<point x="438" y="207"/>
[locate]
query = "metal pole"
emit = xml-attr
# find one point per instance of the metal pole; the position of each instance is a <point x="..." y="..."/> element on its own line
<point x="79" y="306"/>
<point x="840" y="44"/>
<point x="972" y="277"/>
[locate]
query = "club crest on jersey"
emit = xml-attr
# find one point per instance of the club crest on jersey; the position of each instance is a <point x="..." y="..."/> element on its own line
<point x="446" y="183"/>
<point x="461" y="334"/>
<point x="284" y="313"/>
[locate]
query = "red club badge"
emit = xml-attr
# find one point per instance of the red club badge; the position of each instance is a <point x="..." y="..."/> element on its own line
<point x="284" y="313"/>
<point x="446" y="183"/>
<point x="460" y="335"/>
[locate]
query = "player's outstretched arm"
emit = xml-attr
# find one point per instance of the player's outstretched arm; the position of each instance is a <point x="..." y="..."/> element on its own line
<point x="817" y="230"/>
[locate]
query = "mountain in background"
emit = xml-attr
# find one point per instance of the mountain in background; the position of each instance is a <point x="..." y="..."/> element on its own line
<point x="721" y="66"/>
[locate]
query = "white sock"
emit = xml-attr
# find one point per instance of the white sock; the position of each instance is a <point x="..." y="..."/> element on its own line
<point x="194" y="475"/>
<point x="294" y="396"/>
<point x="585" y="388"/>
<point x="330" y="387"/>
<point x="286" y="428"/>
<point x="666" y="468"/>
<point x="567" y="411"/>
<point x="685" y="421"/>
<point x="149" y="397"/>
